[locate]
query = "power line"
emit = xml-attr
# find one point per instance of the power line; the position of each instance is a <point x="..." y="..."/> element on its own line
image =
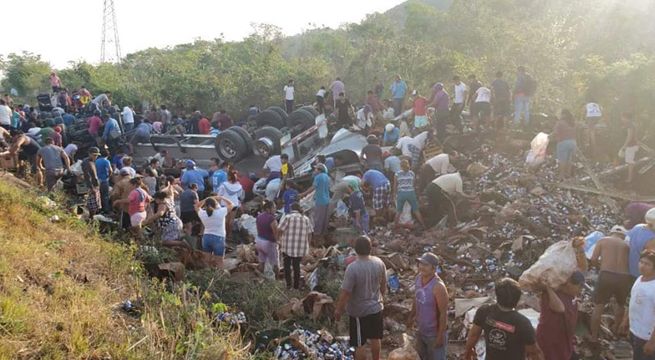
<point x="110" y="48"/>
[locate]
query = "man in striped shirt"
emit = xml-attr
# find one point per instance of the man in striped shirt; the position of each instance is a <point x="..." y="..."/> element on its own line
<point x="295" y="231"/>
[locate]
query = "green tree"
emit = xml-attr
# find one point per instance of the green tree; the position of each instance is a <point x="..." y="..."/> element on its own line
<point x="26" y="73"/>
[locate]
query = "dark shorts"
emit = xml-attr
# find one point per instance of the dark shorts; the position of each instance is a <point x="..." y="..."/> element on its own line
<point x="189" y="216"/>
<point x="481" y="110"/>
<point x="592" y="122"/>
<point x="501" y="107"/>
<point x="362" y="329"/>
<point x="613" y="284"/>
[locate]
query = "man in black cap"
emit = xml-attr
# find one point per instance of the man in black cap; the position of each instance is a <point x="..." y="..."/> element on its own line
<point x="430" y="310"/>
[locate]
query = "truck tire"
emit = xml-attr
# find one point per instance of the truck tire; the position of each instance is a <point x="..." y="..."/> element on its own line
<point x="311" y="110"/>
<point x="231" y="146"/>
<point x="270" y="118"/>
<point x="301" y="120"/>
<point x="283" y="114"/>
<point x="273" y="135"/>
<point x="244" y="134"/>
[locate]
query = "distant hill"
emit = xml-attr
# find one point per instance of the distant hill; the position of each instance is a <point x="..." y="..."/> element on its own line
<point x="292" y="45"/>
<point x="439" y="4"/>
<point x="398" y="14"/>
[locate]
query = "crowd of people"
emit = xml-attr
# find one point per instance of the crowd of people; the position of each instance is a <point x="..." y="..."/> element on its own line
<point x="191" y="207"/>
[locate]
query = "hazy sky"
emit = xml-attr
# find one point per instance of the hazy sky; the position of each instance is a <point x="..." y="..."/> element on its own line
<point x="66" y="30"/>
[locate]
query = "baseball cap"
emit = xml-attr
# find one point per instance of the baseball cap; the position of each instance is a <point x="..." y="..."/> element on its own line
<point x="650" y="217"/>
<point x="124" y="171"/>
<point x="94" y="150"/>
<point x="190" y="163"/>
<point x="429" y="259"/>
<point x="618" y="229"/>
<point x="577" y="278"/>
<point x="389" y="127"/>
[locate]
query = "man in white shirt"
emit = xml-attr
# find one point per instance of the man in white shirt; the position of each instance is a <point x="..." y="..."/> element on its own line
<point x="440" y="195"/>
<point x="412" y="147"/>
<point x="289" y="96"/>
<point x="641" y="311"/>
<point x="459" y="100"/>
<point x="274" y="166"/>
<point x="434" y="167"/>
<point x="128" y="118"/>
<point x="5" y="114"/>
<point x="481" y="107"/>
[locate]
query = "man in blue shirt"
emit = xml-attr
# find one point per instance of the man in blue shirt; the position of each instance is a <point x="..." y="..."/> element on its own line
<point x="321" y="186"/>
<point x="357" y="208"/>
<point x="379" y="185"/>
<point x="104" y="171"/>
<point x="398" y="92"/>
<point x="219" y="174"/>
<point x="112" y="132"/>
<point x="192" y="175"/>
<point x="391" y="135"/>
<point x="639" y="238"/>
<point x="69" y="119"/>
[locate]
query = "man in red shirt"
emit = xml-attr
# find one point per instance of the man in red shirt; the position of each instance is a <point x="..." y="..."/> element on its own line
<point x="204" y="126"/>
<point x="420" y="108"/>
<point x="94" y="124"/>
<point x="247" y="185"/>
<point x="559" y="312"/>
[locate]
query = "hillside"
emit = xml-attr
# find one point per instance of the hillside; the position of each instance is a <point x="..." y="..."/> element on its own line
<point x="62" y="286"/>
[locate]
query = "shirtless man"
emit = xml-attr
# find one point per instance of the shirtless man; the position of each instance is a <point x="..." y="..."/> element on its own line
<point x="614" y="279"/>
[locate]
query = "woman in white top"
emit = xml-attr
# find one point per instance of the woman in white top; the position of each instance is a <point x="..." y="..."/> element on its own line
<point x="232" y="191"/>
<point x="481" y="108"/>
<point x="212" y="216"/>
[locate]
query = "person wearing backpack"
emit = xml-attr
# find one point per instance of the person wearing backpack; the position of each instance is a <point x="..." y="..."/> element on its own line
<point x="524" y="89"/>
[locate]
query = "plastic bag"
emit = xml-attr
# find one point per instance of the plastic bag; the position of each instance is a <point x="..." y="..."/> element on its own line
<point x="537" y="154"/>
<point x="269" y="274"/>
<point x="249" y="223"/>
<point x="341" y="209"/>
<point x="406" y="215"/>
<point x="590" y="243"/>
<point x="552" y="269"/>
<point x="406" y="352"/>
<point x="322" y="126"/>
<point x="76" y="168"/>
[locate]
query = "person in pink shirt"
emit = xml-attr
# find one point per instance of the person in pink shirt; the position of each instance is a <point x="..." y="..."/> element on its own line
<point x="136" y="201"/>
<point x="94" y="124"/>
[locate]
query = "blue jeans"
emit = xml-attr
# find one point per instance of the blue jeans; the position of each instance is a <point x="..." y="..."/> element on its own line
<point x="128" y="127"/>
<point x="427" y="350"/>
<point x="521" y="106"/>
<point x="363" y="223"/>
<point x="638" y="349"/>
<point x="213" y="244"/>
<point x="565" y="150"/>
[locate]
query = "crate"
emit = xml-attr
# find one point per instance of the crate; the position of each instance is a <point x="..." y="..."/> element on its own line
<point x="431" y="151"/>
<point x="7" y="162"/>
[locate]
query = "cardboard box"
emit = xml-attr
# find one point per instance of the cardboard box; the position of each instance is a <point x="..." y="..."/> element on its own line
<point x="7" y="162"/>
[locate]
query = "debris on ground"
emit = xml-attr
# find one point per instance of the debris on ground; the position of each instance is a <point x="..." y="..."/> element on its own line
<point x="306" y="344"/>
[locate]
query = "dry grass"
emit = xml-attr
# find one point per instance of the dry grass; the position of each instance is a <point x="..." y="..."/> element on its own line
<point x="61" y="285"/>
